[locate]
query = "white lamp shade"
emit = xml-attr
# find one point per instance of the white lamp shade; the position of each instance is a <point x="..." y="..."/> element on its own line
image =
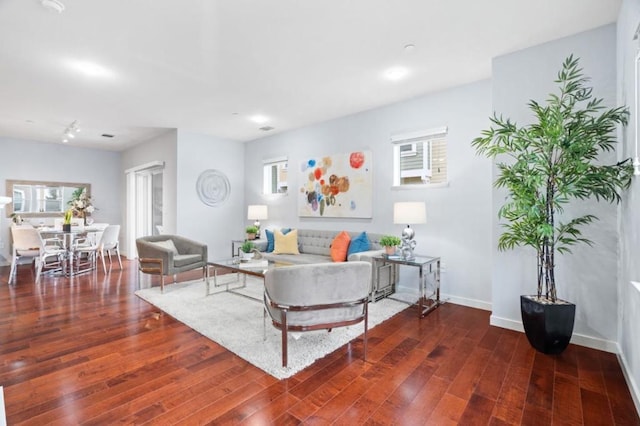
<point x="257" y="212"/>
<point x="409" y="212"/>
<point x="4" y="201"/>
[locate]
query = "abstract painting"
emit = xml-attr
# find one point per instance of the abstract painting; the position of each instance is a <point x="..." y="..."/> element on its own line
<point x="338" y="185"/>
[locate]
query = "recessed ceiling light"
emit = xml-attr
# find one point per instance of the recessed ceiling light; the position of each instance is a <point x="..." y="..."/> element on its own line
<point x="260" y="119"/>
<point x="90" y="69"/>
<point x="409" y="48"/>
<point x="396" y="73"/>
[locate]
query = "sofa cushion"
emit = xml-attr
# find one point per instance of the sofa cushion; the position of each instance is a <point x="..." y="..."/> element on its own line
<point x="286" y="244"/>
<point x="358" y="244"/>
<point x="340" y="246"/>
<point x="180" y="260"/>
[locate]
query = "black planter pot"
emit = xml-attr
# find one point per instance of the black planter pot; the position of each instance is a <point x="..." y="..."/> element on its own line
<point x="66" y="228"/>
<point x="548" y="326"/>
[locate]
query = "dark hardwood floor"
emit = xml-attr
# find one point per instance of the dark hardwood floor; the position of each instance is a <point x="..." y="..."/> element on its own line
<point x="88" y="351"/>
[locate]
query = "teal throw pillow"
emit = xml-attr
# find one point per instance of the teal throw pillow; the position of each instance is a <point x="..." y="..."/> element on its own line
<point x="270" y="240"/>
<point x="358" y="244"/>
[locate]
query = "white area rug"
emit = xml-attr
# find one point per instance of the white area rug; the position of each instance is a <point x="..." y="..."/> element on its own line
<point x="236" y="322"/>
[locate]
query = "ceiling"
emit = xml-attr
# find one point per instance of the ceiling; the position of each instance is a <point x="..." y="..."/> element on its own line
<point x="207" y="66"/>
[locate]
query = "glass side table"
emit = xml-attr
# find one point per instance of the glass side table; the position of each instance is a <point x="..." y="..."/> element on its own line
<point x="429" y="278"/>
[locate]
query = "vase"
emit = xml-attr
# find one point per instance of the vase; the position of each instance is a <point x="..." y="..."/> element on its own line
<point x="390" y="250"/>
<point x="66" y="227"/>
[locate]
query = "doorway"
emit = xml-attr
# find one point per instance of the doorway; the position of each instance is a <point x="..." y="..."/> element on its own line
<point x="144" y="203"/>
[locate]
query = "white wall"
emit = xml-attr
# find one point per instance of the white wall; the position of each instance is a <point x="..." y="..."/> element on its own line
<point x="458" y="217"/>
<point x="161" y="148"/>
<point x="30" y="160"/>
<point x="629" y="296"/>
<point x="587" y="277"/>
<point x="216" y="226"/>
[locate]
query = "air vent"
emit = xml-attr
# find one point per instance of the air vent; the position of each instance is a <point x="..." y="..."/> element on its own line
<point x="266" y="128"/>
<point x="107" y="135"/>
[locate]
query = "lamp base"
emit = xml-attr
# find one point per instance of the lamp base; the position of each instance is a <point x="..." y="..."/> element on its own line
<point x="408" y="243"/>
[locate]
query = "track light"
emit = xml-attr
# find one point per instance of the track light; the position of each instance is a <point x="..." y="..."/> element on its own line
<point x="69" y="132"/>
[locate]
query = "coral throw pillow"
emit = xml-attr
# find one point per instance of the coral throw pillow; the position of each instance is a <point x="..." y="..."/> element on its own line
<point x="339" y="247"/>
<point x="358" y="244"/>
<point x="286" y="244"/>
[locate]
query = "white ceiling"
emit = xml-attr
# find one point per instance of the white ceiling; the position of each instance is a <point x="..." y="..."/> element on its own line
<point x="208" y="65"/>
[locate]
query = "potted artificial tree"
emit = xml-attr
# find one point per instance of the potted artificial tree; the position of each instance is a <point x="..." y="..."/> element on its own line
<point x="552" y="161"/>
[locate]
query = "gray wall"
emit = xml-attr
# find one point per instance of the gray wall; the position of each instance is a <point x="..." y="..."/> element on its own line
<point x="216" y="226"/>
<point x="458" y="216"/>
<point x="587" y="277"/>
<point x="629" y="296"/>
<point x="30" y="160"/>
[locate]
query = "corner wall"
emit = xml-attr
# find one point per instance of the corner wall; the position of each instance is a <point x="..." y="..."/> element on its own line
<point x="218" y="225"/>
<point x="458" y="216"/>
<point x="589" y="275"/>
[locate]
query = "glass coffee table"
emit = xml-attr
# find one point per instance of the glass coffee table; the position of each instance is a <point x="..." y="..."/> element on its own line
<point x="242" y="269"/>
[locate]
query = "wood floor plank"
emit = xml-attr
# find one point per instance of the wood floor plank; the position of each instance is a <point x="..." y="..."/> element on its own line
<point x="88" y="351"/>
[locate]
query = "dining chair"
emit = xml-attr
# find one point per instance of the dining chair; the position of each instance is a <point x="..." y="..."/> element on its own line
<point x="107" y="244"/>
<point x="28" y="243"/>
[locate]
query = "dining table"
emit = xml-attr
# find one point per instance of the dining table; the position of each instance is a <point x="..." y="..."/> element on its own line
<point x="68" y="240"/>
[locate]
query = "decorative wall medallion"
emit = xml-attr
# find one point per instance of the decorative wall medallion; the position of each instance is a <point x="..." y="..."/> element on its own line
<point x="213" y="187"/>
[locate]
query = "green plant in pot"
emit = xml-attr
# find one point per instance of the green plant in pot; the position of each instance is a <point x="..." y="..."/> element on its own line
<point x="549" y="163"/>
<point x="390" y="242"/>
<point x="247" y="249"/>
<point x="251" y="232"/>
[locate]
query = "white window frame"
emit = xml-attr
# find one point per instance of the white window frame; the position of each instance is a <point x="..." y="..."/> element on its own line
<point x="421" y="136"/>
<point x="267" y="176"/>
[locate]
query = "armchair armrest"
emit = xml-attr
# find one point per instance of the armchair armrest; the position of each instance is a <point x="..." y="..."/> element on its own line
<point x="149" y="250"/>
<point x="365" y="255"/>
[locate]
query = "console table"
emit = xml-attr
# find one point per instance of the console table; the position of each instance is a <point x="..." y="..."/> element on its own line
<point x="429" y="278"/>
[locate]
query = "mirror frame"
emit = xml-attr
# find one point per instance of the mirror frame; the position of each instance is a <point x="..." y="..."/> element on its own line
<point x="9" y="191"/>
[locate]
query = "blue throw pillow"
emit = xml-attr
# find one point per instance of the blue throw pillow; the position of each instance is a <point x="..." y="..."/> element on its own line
<point x="285" y="231"/>
<point x="358" y="244"/>
<point x="270" y="240"/>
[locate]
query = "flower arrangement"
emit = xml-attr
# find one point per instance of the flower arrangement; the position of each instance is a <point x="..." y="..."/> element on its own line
<point x="81" y="203"/>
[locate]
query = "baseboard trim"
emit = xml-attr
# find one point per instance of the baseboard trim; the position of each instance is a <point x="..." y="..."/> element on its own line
<point x="471" y="303"/>
<point x="633" y="386"/>
<point x="577" y="339"/>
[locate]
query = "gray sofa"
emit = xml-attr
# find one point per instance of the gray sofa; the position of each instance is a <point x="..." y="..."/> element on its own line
<point x="315" y="245"/>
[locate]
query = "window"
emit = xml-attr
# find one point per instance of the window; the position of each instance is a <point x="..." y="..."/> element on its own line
<point x="420" y="158"/>
<point x="275" y="176"/>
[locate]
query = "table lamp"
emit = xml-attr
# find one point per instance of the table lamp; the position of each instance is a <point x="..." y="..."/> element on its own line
<point x="257" y="212"/>
<point x="409" y="212"/>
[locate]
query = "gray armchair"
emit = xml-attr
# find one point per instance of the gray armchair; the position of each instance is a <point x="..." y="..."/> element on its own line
<point x="169" y="255"/>
<point x="317" y="296"/>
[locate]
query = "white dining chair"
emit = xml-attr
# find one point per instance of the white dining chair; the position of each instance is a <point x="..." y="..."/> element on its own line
<point x="107" y="244"/>
<point x="28" y="243"/>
